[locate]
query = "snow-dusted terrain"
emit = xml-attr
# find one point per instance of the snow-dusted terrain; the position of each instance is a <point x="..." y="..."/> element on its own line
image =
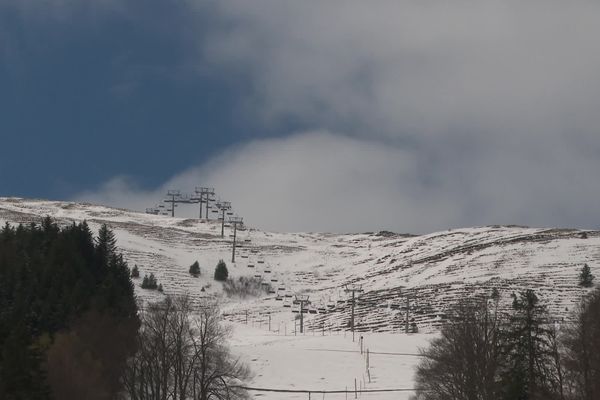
<point x="432" y="271"/>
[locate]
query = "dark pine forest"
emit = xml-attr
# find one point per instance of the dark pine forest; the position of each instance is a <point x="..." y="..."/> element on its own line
<point x="67" y="312"/>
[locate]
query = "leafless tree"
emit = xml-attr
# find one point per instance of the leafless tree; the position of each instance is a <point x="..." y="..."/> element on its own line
<point x="462" y="363"/>
<point x="183" y="354"/>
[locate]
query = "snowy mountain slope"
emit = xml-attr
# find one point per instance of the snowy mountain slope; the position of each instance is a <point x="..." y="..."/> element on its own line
<point x="432" y="270"/>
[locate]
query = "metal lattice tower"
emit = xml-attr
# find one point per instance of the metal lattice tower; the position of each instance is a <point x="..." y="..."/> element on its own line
<point x="303" y="300"/>
<point x="204" y="195"/>
<point x="235" y="221"/>
<point x="224" y="207"/>
<point x="173" y="197"/>
<point x="353" y="289"/>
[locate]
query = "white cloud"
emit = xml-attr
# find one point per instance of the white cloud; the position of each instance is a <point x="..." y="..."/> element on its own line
<point x="318" y="181"/>
<point x="445" y="113"/>
<point x="310" y="181"/>
<point x="415" y="69"/>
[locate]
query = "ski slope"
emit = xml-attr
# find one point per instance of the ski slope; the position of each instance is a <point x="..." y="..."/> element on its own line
<point x="432" y="271"/>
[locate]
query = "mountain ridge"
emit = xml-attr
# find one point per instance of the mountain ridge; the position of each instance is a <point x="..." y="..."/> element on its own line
<point x="432" y="270"/>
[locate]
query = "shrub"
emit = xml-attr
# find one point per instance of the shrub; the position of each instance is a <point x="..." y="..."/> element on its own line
<point x="221" y="272"/>
<point x="585" y="276"/>
<point x="245" y="286"/>
<point x="149" y="282"/>
<point x="135" y="272"/>
<point x="195" y="269"/>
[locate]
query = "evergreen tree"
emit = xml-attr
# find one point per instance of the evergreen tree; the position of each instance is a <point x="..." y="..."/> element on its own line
<point x="529" y="356"/>
<point x="135" y="272"/>
<point x="221" y="272"/>
<point x="149" y="282"/>
<point x="195" y="269"/>
<point x="49" y="277"/>
<point x="581" y="340"/>
<point x="585" y="276"/>
<point x="106" y="244"/>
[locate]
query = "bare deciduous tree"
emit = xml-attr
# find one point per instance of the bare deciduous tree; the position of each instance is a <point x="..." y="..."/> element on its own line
<point x="183" y="354"/>
<point x="462" y="363"/>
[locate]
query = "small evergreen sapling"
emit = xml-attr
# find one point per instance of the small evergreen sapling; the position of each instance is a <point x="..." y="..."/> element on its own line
<point x="135" y="272"/>
<point x="221" y="272"/>
<point x="585" y="276"/>
<point x="195" y="269"/>
<point x="149" y="282"/>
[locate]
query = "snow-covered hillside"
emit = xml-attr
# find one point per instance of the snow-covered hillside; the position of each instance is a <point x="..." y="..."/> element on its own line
<point x="431" y="270"/>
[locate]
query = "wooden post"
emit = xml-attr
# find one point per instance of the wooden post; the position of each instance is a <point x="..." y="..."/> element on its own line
<point x="407" y="313"/>
<point x="355" y="390"/>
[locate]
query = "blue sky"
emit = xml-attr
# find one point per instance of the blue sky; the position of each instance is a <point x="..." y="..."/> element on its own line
<point x="407" y="116"/>
<point x="86" y="97"/>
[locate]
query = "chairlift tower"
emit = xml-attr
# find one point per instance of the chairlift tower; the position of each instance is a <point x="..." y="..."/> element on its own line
<point x="204" y="195"/>
<point x="224" y="207"/>
<point x="303" y="300"/>
<point x="235" y="221"/>
<point x="353" y="289"/>
<point x="173" y="197"/>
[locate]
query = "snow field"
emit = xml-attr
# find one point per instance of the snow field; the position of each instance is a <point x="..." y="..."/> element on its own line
<point x="331" y="362"/>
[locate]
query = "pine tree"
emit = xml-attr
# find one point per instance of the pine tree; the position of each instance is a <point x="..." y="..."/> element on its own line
<point x="195" y="269"/>
<point x="585" y="276"/>
<point x="528" y="351"/>
<point x="221" y="272"/>
<point x="49" y="277"/>
<point x="106" y="242"/>
<point x="135" y="272"/>
<point x="149" y="282"/>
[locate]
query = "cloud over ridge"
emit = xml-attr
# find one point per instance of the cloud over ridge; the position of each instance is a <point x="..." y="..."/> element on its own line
<point x="419" y="115"/>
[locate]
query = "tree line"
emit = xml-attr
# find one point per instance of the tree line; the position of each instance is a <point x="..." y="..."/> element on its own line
<point x="485" y="354"/>
<point x="67" y="311"/>
<point x="70" y="327"/>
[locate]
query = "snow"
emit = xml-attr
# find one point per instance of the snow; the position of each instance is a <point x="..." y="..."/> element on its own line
<point x="319" y="362"/>
<point x="433" y="270"/>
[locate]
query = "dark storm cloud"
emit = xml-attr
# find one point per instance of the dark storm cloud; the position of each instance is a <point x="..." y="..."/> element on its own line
<point x="442" y="113"/>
